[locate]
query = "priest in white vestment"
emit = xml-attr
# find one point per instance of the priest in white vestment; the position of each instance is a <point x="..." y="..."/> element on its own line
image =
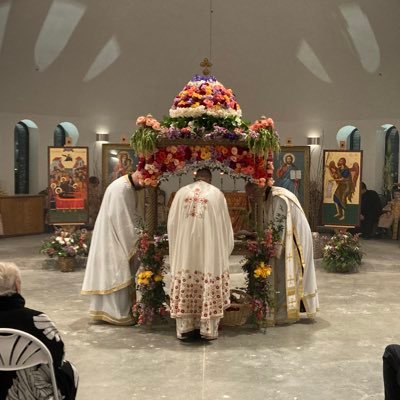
<point x="294" y="272"/>
<point x="109" y="278"/>
<point x="200" y="241"/>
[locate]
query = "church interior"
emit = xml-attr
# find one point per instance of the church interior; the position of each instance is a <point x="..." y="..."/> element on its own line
<point x="76" y="77"/>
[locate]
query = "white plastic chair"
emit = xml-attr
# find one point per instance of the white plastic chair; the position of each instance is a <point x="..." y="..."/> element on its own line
<point x="20" y="350"/>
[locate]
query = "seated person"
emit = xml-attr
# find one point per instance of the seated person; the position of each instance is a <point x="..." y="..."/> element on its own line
<point x="371" y="209"/>
<point x="14" y="314"/>
<point x="391" y="215"/>
<point x="391" y="372"/>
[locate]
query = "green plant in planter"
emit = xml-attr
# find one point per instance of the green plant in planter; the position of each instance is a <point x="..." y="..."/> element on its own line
<point x="342" y="253"/>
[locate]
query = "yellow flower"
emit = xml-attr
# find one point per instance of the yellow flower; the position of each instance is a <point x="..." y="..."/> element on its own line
<point x="205" y="155"/>
<point x="158" y="278"/>
<point x="262" y="270"/>
<point x="145" y="275"/>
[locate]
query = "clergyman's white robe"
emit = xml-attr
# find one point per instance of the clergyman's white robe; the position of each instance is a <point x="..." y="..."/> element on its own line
<point x="108" y="276"/>
<point x="200" y="241"/>
<point x="294" y="271"/>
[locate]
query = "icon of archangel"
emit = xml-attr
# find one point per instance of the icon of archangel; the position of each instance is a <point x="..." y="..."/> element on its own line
<point x="346" y="179"/>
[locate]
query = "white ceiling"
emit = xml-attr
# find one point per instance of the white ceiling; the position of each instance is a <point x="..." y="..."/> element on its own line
<point x="291" y="59"/>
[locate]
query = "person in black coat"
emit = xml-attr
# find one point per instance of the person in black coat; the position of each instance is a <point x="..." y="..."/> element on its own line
<point x="371" y="209"/>
<point x="14" y="314"/>
<point x="391" y="372"/>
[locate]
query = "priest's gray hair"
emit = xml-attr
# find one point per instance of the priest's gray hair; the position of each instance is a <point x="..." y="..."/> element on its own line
<point x="9" y="276"/>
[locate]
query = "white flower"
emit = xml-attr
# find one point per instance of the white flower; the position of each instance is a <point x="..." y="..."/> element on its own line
<point x="201" y="110"/>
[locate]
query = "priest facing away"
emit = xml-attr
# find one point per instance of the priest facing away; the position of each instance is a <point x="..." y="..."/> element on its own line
<point x="109" y="272"/>
<point x="200" y="241"/>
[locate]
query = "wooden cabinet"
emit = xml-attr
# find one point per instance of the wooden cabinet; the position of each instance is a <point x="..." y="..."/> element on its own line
<point x="22" y="214"/>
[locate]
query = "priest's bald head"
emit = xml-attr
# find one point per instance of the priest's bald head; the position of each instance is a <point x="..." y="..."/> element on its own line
<point x="203" y="174"/>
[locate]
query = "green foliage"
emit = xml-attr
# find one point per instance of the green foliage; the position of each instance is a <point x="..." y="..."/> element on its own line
<point x="265" y="139"/>
<point x="206" y="122"/>
<point x="143" y="140"/>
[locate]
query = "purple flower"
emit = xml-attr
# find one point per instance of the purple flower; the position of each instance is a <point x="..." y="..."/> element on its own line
<point x="209" y="78"/>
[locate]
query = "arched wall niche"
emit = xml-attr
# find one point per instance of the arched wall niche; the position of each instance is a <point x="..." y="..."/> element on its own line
<point x="67" y="130"/>
<point x="351" y="135"/>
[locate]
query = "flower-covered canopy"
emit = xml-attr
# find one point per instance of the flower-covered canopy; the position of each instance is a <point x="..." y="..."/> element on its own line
<point x="205" y="128"/>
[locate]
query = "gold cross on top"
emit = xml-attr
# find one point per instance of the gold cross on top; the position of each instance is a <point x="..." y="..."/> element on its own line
<point x="206" y="64"/>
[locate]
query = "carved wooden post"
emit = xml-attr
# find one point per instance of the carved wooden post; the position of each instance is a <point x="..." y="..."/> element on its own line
<point x="150" y="221"/>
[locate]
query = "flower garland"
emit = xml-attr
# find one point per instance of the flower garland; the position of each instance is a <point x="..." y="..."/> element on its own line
<point x="150" y="279"/>
<point x="258" y="270"/>
<point x="234" y="160"/>
<point x="342" y="253"/>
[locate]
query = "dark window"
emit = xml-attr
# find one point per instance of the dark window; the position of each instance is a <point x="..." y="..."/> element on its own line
<point x="21" y="158"/>
<point x="391" y="168"/>
<point x="59" y="136"/>
<point x="355" y="140"/>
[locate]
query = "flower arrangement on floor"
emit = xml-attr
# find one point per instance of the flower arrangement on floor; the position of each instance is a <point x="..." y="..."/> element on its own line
<point x="205" y="111"/>
<point x="67" y="244"/>
<point x="342" y="253"/>
<point x="150" y="279"/>
<point x="258" y="270"/>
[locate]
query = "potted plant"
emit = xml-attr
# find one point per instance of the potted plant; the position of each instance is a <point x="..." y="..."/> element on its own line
<point x="65" y="246"/>
<point x="342" y="253"/>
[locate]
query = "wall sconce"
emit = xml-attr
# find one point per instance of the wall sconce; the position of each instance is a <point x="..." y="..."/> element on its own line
<point x="313" y="141"/>
<point x="102" y="137"/>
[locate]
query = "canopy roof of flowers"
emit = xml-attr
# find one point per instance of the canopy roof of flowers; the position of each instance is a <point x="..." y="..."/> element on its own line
<point x="205" y="128"/>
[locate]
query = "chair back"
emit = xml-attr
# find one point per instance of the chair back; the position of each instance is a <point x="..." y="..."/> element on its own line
<point x="20" y="350"/>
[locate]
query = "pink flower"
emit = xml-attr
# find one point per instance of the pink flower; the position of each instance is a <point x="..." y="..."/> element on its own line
<point x="156" y="125"/>
<point x="141" y="121"/>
